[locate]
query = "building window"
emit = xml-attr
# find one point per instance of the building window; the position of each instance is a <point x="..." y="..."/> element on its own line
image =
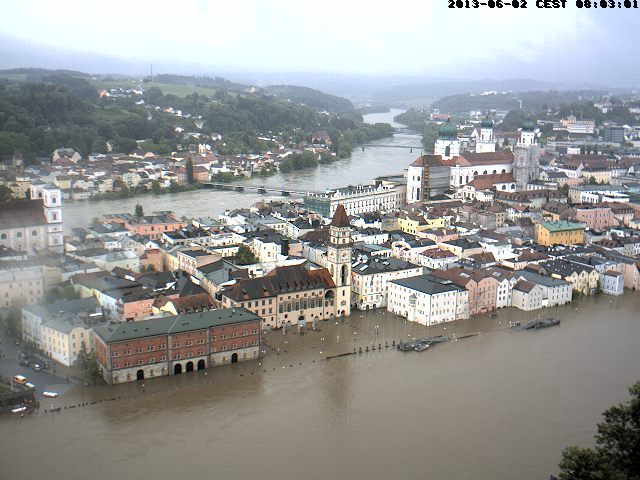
<point x="19" y="235"/>
<point x="34" y="233"/>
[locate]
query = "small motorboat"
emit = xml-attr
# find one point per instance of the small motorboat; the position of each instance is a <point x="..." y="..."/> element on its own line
<point x="421" y="347"/>
<point x="18" y="410"/>
<point x="49" y="394"/>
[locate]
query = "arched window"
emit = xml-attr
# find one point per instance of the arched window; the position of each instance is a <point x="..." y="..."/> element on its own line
<point x="447" y="151"/>
<point x="19" y="235"/>
<point x="504" y="187"/>
<point x="39" y="194"/>
<point x="494" y="172"/>
<point x="34" y="233"/>
<point x="504" y="170"/>
<point x="484" y="173"/>
<point x="53" y="199"/>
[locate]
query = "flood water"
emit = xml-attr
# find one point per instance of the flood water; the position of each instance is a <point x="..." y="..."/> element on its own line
<point x="362" y="167"/>
<point x="499" y="404"/>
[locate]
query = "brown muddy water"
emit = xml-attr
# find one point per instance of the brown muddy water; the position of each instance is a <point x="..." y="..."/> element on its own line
<point x="499" y="404"/>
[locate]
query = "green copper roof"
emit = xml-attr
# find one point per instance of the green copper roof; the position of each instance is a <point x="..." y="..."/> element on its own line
<point x="562" y="226"/>
<point x="447" y="130"/>
<point x="486" y="123"/>
<point x="528" y="125"/>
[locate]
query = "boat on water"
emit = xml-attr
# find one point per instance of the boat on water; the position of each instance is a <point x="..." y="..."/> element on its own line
<point x="433" y="340"/>
<point x="49" y="394"/>
<point x="548" y="322"/>
<point x="537" y="324"/>
<point x="514" y="323"/>
<point x="406" y="346"/>
<point x="421" y="347"/>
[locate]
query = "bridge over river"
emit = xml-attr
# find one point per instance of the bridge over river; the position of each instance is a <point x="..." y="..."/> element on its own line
<point x="265" y="190"/>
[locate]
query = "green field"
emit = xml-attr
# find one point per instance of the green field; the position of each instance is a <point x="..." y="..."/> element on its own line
<point x="167" y="88"/>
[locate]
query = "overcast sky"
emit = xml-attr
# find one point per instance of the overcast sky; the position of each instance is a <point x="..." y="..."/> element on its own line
<point x="405" y="37"/>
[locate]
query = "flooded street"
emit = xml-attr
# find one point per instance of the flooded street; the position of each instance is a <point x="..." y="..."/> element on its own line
<point x="499" y="404"/>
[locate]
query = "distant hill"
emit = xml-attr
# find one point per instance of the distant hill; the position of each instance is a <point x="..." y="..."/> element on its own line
<point x="312" y="98"/>
<point x="436" y="89"/>
<point x="534" y="101"/>
<point x="37" y="74"/>
<point x="199" y="81"/>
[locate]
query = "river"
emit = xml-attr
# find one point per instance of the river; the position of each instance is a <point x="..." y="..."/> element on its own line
<point x="362" y="167"/>
<point x="501" y="404"/>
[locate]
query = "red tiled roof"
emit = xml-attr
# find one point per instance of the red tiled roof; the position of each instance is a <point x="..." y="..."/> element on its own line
<point x="423" y="160"/>
<point x="486" y="158"/>
<point x="481" y="182"/>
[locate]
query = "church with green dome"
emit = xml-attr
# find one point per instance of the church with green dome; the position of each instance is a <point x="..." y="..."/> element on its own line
<point x="447" y="145"/>
<point x="486" y="142"/>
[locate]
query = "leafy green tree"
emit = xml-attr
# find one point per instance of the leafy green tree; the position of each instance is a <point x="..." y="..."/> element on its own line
<point x="244" y="256"/>
<point x="617" y="452"/>
<point x="139" y="211"/>
<point x="155" y="186"/>
<point x="5" y="193"/>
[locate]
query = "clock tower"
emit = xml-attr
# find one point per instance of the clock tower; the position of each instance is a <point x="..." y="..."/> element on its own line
<point x="339" y="259"/>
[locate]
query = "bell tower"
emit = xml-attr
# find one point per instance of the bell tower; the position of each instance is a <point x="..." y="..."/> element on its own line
<point x="339" y="259"/>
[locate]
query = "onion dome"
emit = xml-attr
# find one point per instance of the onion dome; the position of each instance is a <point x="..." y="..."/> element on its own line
<point x="448" y="130"/>
<point x="528" y="125"/>
<point x="486" y="123"/>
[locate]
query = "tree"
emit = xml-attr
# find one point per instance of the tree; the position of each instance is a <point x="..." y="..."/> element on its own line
<point x="244" y="256"/>
<point x="5" y="193"/>
<point x="189" y="168"/>
<point x="155" y="186"/>
<point x="88" y="364"/>
<point x="592" y="180"/>
<point x="617" y="452"/>
<point x="14" y="320"/>
<point x="139" y="211"/>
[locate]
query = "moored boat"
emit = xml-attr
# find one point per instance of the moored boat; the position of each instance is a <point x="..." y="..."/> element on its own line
<point x="421" y="347"/>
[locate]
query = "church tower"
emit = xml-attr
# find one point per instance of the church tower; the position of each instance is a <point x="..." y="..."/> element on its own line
<point x="51" y="197"/>
<point x="486" y="142"/>
<point x="526" y="156"/>
<point x="447" y="145"/>
<point x="339" y="259"/>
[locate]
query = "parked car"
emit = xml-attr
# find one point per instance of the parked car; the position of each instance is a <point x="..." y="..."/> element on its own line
<point x="25" y="362"/>
<point x="37" y="367"/>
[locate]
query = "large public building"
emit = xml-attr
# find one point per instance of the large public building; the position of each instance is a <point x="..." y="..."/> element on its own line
<point x="172" y="345"/>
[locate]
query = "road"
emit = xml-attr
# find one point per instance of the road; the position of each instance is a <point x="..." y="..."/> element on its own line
<point x="44" y="380"/>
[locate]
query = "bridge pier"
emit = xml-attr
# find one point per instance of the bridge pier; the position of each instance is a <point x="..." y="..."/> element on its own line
<point x="239" y="188"/>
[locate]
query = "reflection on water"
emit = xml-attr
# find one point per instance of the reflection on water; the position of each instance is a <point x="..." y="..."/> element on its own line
<point x="501" y="404"/>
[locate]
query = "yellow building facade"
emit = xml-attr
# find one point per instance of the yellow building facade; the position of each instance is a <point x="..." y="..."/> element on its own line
<point x="559" y="233"/>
